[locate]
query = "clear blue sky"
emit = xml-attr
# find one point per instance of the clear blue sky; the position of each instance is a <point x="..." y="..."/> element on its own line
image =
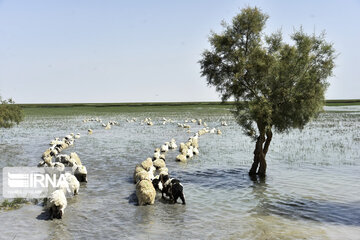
<point x="138" y="51"/>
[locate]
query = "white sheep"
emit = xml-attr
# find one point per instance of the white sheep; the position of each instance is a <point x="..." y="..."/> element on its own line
<point x="219" y="132"/>
<point x="223" y="123"/>
<point x="159" y="163"/>
<point x="195" y="151"/>
<point x="141" y="175"/>
<point x="80" y="173"/>
<point x="181" y="158"/>
<point x="90" y="131"/>
<point x="75" y="158"/>
<point x="77" y="136"/>
<point x="145" y="192"/>
<point x="172" y="144"/>
<point x="165" y="147"/>
<point x="156" y="153"/>
<point x="183" y="148"/>
<point x="190" y="152"/>
<point x="147" y="164"/>
<point x="73" y="183"/>
<point x="56" y="204"/>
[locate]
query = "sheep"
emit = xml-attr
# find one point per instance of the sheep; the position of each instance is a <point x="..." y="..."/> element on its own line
<point x="193" y="120"/>
<point x="66" y="160"/>
<point x="151" y="172"/>
<point x="157" y="183"/>
<point x="213" y="130"/>
<point x="90" y="131"/>
<point x="186" y="126"/>
<point x="46" y="154"/>
<point x="145" y="192"/>
<point x="172" y="188"/>
<point x="142" y="175"/>
<point x="156" y="153"/>
<point x="219" y="132"/>
<point x="183" y="148"/>
<point x="199" y="121"/>
<point x="195" y="151"/>
<point x="201" y="132"/>
<point x="59" y="167"/>
<point x="172" y="144"/>
<point x="223" y="123"/>
<point x="146" y="164"/>
<point x="138" y="168"/>
<point x="181" y="158"/>
<point x="162" y="156"/>
<point x="108" y="126"/>
<point x="80" y="173"/>
<point x="55" y="141"/>
<point x="163" y="170"/>
<point x="75" y="158"/>
<point x="190" y="153"/>
<point x="159" y="163"/>
<point x="74" y="184"/>
<point x="204" y="124"/>
<point x="165" y="147"/>
<point x="77" y="136"/>
<point x="180" y="125"/>
<point x="56" y="204"/>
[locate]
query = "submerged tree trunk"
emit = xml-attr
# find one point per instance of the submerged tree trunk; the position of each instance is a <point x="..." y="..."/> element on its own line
<point x="260" y="152"/>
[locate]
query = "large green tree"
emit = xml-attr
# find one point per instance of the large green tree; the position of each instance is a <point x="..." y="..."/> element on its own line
<point x="9" y="113"/>
<point x="275" y="85"/>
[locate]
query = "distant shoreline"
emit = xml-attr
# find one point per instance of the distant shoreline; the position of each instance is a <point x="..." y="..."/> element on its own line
<point x="343" y="102"/>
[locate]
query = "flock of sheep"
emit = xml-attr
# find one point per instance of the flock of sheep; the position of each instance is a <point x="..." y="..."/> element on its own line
<point x="68" y="181"/>
<point x="150" y="176"/>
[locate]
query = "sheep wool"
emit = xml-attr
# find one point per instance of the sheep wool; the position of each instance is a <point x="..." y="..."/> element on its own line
<point x="145" y="192"/>
<point x="142" y="175"/>
<point x="181" y="158"/>
<point x="81" y="173"/>
<point x="163" y="170"/>
<point x="56" y="204"/>
<point x="76" y="158"/>
<point x="73" y="183"/>
<point x="159" y="163"/>
<point x="146" y="164"/>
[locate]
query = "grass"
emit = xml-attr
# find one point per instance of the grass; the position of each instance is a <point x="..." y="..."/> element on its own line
<point x="16" y="203"/>
<point x="161" y="107"/>
<point x="340" y="102"/>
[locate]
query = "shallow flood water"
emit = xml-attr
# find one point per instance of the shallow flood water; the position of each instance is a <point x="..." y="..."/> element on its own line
<point x="312" y="190"/>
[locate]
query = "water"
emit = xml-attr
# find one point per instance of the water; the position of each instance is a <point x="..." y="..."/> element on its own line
<point x="312" y="190"/>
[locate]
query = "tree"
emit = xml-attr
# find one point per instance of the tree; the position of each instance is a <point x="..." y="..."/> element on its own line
<point x="9" y="113"/>
<point x="275" y="85"/>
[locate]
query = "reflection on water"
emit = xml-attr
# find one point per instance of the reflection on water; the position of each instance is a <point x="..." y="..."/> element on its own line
<point x="311" y="191"/>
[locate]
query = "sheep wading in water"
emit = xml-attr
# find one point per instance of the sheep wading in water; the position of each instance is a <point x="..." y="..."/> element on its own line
<point x="56" y="204"/>
<point x="145" y="192"/>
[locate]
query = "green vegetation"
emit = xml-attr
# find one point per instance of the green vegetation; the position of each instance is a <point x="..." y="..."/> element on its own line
<point x="14" y="204"/>
<point x="9" y="113"/>
<point x="275" y="85"/>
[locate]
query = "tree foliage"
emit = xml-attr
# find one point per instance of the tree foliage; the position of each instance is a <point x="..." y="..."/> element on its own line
<point x="10" y="113"/>
<point x="274" y="84"/>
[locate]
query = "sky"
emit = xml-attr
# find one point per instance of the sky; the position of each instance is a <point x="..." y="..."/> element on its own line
<point x="148" y="51"/>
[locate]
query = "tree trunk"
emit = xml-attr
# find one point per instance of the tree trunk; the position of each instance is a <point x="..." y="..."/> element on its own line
<point x="260" y="152"/>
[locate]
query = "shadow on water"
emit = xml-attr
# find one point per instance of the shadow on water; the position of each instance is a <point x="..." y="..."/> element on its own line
<point x="317" y="210"/>
<point x="271" y="202"/>
<point x="233" y="178"/>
